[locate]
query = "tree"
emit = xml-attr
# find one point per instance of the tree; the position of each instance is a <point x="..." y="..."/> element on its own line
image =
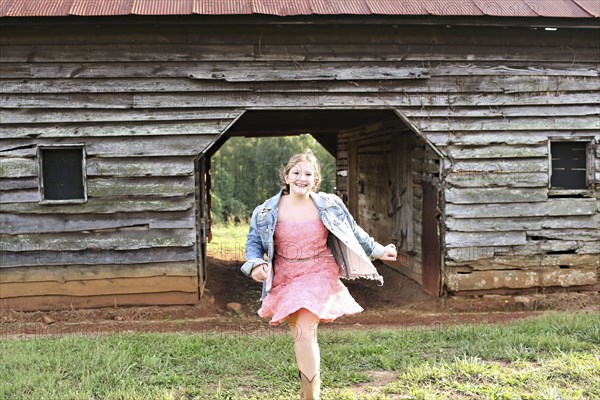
<point x="246" y="171"/>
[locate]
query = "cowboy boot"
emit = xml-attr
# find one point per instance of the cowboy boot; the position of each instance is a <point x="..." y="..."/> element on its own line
<point x="310" y="389"/>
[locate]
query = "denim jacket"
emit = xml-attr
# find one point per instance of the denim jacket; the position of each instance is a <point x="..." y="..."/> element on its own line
<point x="352" y="248"/>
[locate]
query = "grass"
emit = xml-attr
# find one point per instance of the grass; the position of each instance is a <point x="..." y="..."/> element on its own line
<point x="228" y="241"/>
<point x="556" y="356"/>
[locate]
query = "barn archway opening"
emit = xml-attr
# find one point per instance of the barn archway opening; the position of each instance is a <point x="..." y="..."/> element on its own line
<point x="386" y="173"/>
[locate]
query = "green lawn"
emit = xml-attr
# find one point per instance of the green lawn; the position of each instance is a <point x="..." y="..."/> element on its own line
<point x="556" y="356"/>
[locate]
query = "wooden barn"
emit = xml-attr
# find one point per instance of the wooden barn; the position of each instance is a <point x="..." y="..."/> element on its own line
<point x="466" y="132"/>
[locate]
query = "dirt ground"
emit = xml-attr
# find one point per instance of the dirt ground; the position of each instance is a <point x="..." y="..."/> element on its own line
<point x="398" y="303"/>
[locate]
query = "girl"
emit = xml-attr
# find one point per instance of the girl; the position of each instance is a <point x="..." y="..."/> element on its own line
<point x="311" y="240"/>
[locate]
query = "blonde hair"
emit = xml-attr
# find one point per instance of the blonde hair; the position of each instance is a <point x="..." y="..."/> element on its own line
<point x="308" y="157"/>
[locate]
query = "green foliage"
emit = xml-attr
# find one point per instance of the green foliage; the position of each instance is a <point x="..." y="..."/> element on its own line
<point x="246" y="171"/>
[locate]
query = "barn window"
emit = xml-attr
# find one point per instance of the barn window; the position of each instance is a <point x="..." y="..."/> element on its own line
<point x="62" y="174"/>
<point x="571" y="166"/>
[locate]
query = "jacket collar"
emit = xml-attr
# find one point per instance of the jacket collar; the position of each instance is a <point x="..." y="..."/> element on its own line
<point x="273" y="201"/>
<point x="321" y="200"/>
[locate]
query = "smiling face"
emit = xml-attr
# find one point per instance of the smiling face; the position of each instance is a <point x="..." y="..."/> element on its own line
<point x="301" y="178"/>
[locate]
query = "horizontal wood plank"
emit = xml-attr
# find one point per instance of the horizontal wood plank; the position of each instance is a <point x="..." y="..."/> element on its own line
<point x="504" y="70"/>
<point x="65" y="273"/>
<point x="13" y="256"/>
<point x="519" y="168"/>
<point x="34" y="223"/>
<point x="511" y="124"/>
<point x="104" y="206"/>
<point x="275" y="100"/>
<point x="139" y="167"/>
<point x="321" y="77"/>
<point x="281" y="99"/>
<point x="97" y="287"/>
<point x="524" y="223"/>
<point x="350" y="52"/>
<point x="479" y="280"/>
<point x="169" y="69"/>
<point x="133" y="52"/>
<point x="18" y="183"/>
<point x="480" y="239"/>
<point x="508" y="137"/>
<point x="298" y="53"/>
<point x="18" y="167"/>
<point x="20" y="196"/>
<point x="178" y="186"/>
<point x="495" y="195"/>
<point x="149" y="146"/>
<point x="533" y="262"/>
<point x="525" y="255"/>
<point x="496" y="151"/>
<point x="461" y="113"/>
<point x="591" y="235"/>
<point x="133" y="130"/>
<point x="39" y="303"/>
<point x="121" y="239"/>
<point x="70" y="115"/>
<point x="550" y="208"/>
<point x="67" y="100"/>
<point x="208" y="70"/>
<point x="24" y="151"/>
<point x="472" y="179"/>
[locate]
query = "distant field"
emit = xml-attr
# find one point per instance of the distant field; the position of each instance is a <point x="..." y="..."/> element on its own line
<point x="228" y="241"/>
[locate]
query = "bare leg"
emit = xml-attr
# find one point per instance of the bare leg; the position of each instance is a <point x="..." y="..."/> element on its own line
<point x="303" y="325"/>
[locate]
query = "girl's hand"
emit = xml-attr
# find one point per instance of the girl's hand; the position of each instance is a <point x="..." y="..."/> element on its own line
<point x="390" y="253"/>
<point x="259" y="273"/>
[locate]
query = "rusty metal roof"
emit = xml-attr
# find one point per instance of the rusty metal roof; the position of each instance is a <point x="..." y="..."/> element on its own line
<point x="496" y="8"/>
<point x="591" y="6"/>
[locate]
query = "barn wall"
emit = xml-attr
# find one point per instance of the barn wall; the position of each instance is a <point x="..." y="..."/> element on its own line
<point x="145" y="99"/>
<point x="133" y="242"/>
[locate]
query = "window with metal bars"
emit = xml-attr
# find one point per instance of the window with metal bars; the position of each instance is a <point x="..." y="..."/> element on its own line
<point x="571" y="166"/>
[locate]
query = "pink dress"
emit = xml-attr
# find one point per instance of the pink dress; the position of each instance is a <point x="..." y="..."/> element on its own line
<point x="306" y="275"/>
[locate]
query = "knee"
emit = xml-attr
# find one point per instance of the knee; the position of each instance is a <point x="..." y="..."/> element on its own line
<point x="305" y="333"/>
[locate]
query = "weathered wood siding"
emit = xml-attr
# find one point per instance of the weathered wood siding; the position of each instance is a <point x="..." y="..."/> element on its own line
<point x="132" y="243"/>
<point x="146" y="98"/>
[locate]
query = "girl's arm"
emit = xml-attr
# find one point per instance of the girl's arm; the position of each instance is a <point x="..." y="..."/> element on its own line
<point x="254" y="247"/>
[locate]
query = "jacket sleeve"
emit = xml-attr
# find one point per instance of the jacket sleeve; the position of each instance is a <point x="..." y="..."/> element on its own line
<point x="373" y="249"/>
<point x="254" y="248"/>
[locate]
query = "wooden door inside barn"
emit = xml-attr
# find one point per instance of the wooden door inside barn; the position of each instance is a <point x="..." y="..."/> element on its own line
<point x="202" y="179"/>
<point x="430" y="245"/>
<point x="385" y="170"/>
